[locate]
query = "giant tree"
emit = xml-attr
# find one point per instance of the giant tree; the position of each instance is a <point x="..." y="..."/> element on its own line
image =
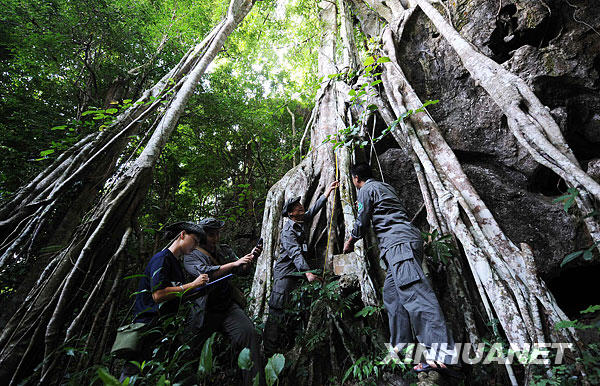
<point x="507" y="285"/>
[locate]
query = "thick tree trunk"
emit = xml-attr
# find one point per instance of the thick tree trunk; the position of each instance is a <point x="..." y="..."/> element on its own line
<point x="315" y="172"/>
<point x="319" y="168"/>
<point x="48" y="309"/>
<point x="507" y="285"/>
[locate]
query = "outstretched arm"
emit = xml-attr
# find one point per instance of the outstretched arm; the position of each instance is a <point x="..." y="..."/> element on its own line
<point x="321" y="201"/>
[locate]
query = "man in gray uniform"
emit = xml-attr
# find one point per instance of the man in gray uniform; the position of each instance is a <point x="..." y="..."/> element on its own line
<point x="408" y="297"/>
<point x="220" y="309"/>
<point x="292" y="258"/>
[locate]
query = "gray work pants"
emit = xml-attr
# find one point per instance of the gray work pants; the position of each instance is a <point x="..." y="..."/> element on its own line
<point x="412" y="305"/>
<point x="235" y="324"/>
<point x="275" y="329"/>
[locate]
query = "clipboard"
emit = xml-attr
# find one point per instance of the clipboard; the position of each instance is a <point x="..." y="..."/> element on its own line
<point x="201" y="289"/>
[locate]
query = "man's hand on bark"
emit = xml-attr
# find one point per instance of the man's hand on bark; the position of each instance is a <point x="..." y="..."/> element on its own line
<point x="349" y="245"/>
<point x="330" y="188"/>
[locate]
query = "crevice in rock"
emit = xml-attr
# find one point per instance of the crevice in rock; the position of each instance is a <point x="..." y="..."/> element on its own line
<point x="545" y="181"/>
<point x="509" y="35"/>
<point x="387" y="142"/>
<point x="583" y="128"/>
<point x="597" y="68"/>
<point x="576" y="288"/>
<point x="580" y="105"/>
<point x="473" y="157"/>
<point x="554" y="90"/>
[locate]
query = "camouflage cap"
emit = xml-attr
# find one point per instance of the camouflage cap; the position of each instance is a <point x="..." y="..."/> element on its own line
<point x="211" y="223"/>
<point x="289" y="205"/>
<point x="173" y="230"/>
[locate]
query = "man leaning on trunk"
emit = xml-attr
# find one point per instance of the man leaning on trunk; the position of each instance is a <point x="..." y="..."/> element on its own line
<point x="408" y="297"/>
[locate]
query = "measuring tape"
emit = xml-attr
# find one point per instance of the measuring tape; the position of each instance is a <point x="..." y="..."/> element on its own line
<point x="337" y="171"/>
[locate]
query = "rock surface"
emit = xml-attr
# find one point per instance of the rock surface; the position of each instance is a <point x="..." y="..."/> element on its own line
<point x="560" y="58"/>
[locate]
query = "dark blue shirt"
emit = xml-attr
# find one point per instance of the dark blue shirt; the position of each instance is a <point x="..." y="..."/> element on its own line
<point x="162" y="271"/>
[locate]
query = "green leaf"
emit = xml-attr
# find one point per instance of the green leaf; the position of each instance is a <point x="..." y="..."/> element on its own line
<point x="162" y="381"/>
<point x="591" y="309"/>
<point x="568" y="204"/>
<point x="565" y="324"/>
<point x="46" y="152"/>
<point x="383" y="59"/>
<point x="352" y="92"/>
<point x="370" y="60"/>
<point x="91" y="112"/>
<point x="51" y="248"/>
<point x="111" y="111"/>
<point x="134" y="276"/>
<point x="376" y="82"/>
<point x="568" y="199"/>
<point x="273" y="368"/>
<point x="430" y="102"/>
<point x="570" y="257"/>
<point x="107" y="378"/>
<point x="244" y="360"/>
<point x="59" y="127"/>
<point x="206" y="364"/>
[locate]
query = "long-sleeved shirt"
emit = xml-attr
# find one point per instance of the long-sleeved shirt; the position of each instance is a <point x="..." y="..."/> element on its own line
<point x="220" y="295"/>
<point x="379" y="203"/>
<point x="293" y="244"/>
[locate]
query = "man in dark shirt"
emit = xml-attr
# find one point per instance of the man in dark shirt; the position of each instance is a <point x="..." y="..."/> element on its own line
<point x="163" y="279"/>
<point x="292" y="258"/>
<point x="408" y="297"/>
<point x="220" y="309"/>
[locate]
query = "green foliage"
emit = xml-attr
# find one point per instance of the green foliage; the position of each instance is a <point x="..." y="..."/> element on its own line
<point x="60" y="57"/>
<point x="244" y="360"/>
<point x="365" y="370"/>
<point x="587" y="360"/>
<point x="587" y="254"/>
<point x="223" y="157"/>
<point x="273" y="369"/>
<point x="371" y="74"/>
<point x="568" y="199"/>
<point x="107" y="378"/>
<point x="350" y="136"/>
<point x="591" y="309"/>
<point x="439" y="247"/>
<point x="330" y="307"/>
<point x="206" y="365"/>
<point x="369" y="310"/>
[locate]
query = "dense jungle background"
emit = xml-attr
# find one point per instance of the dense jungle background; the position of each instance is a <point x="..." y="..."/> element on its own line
<point x="117" y="118"/>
